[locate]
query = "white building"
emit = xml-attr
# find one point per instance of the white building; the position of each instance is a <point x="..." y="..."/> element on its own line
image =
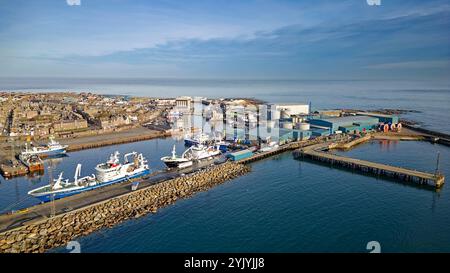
<point x="184" y="104"/>
<point x="284" y="110"/>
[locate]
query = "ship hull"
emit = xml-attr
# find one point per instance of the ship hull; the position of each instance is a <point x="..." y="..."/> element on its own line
<point x="178" y="164"/>
<point x="207" y="155"/>
<point x="51" y="153"/>
<point x="190" y="142"/>
<point x="48" y="197"/>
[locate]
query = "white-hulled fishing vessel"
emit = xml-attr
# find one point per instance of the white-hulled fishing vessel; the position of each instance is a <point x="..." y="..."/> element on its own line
<point x="52" y="148"/>
<point x="175" y="161"/>
<point x="199" y="152"/>
<point x="107" y="173"/>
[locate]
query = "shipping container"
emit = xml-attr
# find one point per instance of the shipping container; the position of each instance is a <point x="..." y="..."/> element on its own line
<point x="236" y="156"/>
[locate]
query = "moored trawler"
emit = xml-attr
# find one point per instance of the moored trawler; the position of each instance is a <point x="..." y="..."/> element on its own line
<point x="200" y="139"/>
<point x="107" y="173"/>
<point x="32" y="162"/>
<point x="199" y="152"/>
<point x="52" y="148"/>
<point x="175" y="161"/>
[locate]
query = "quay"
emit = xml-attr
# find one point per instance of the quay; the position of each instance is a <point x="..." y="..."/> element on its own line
<point x="318" y="153"/>
<point x="114" y="141"/>
<point x="430" y="135"/>
<point x="47" y="233"/>
<point x="285" y="148"/>
<point x="14" y="168"/>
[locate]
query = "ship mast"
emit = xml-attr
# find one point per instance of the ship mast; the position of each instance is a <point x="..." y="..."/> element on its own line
<point x="174" y="152"/>
<point x="52" y="196"/>
<point x="436" y="172"/>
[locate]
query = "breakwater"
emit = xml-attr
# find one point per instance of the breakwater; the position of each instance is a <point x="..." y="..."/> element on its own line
<point x="432" y="136"/>
<point x="115" y="141"/>
<point x="59" y="230"/>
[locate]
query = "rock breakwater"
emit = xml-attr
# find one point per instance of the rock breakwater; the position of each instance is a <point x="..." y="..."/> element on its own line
<point x="59" y="230"/>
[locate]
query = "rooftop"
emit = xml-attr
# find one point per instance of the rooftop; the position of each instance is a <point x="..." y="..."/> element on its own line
<point x="347" y="119"/>
<point x="375" y="114"/>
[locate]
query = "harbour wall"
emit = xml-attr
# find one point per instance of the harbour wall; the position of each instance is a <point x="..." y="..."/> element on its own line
<point x="432" y="136"/>
<point x="53" y="232"/>
<point x="115" y="141"/>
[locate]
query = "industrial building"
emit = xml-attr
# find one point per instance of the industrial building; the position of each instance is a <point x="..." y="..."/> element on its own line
<point x="286" y="110"/>
<point x="184" y="104"/>
<point x="392" y="119"/>
<point x="318" y="132"/>
<point x="302" y="135"/>
<point x="347" y="124"/>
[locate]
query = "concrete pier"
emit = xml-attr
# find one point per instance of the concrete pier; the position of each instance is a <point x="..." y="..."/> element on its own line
<point x="423" y="178"/>
<point x="113" y="141"/>
<point x="284" y="148"/>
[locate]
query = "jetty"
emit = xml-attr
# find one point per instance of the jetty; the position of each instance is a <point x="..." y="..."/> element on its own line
<point x="104" y="141"/>
<point x="286" y="148"/>
<point x="321" y="153"/>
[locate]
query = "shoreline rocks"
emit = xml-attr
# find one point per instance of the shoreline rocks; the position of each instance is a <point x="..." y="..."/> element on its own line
<point x="57" y="231"/>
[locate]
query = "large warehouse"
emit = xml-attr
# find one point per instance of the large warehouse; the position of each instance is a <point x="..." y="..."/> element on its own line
<point x="347" y="124"/>
<point x="381" y="117"/>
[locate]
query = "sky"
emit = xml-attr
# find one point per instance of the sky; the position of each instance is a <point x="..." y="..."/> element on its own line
<point x="249" y="39"/>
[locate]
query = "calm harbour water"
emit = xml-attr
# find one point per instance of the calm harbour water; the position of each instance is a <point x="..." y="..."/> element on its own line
<point x="283" y="205"/>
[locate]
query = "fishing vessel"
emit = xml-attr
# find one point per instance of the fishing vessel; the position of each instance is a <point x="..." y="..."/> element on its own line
<point x="52" y="148"/>
<point x="196" y="140"/>
<point x="269" y="147"/>
<point x="175" y="161"/>
<point x="107" y="173"/>
<point x="32" y="162"/>
<point x="199" y="152"/>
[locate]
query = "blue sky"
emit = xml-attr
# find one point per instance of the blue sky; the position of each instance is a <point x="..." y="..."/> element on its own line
<point x="342" y="39"/>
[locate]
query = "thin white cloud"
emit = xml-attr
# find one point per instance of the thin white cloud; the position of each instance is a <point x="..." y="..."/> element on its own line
<point x="412" y="65"/>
